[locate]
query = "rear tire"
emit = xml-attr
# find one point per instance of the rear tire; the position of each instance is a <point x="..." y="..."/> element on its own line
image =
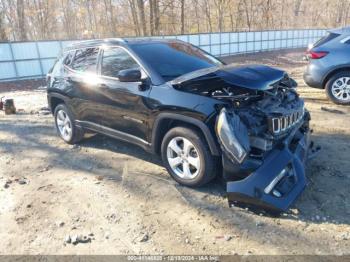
<point x="65" y="125"/>
<point x="187" y="157"/>
<point x="338" y="88"/>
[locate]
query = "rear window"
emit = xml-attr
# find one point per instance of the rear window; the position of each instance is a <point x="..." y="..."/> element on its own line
<point x="62" y="59"/>
<point x="328" y="37"/>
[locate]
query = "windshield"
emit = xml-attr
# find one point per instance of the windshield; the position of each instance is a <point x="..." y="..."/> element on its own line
<point x="173" y="59"/>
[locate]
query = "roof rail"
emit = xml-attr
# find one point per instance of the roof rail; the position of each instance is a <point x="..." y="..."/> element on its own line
<point x="116" y="39"/>
<point x="92" y="41"/>
<point x="340" y="30"/>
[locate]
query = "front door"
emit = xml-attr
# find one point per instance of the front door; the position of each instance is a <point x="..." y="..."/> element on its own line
<point x="124" y="103"/>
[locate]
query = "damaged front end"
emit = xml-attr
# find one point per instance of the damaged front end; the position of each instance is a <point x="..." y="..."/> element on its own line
<point x="265" y="144"/>
<point x="263" y="129"/>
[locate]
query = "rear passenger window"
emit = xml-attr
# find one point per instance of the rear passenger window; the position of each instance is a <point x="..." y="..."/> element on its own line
<point x="85" y="60"/>
<point x="63" y="59"/>
<point x="116" y="59"/>
<point x="69" y="58"/>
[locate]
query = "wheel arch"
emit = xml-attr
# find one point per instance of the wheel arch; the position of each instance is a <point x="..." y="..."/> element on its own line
<point x="54" y="99"/>
<point x="165" y="121"/>
<point x="333" y="72"/>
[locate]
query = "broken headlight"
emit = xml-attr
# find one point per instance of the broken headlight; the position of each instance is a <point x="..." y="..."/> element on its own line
<point x="233" y="135"/>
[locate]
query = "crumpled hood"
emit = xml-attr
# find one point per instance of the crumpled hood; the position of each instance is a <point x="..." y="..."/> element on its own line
<point x="255" y="77"/>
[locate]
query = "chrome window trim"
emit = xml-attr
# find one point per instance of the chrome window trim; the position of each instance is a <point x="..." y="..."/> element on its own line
<point x="79" y="72"/>
<point x="101" y="48"/>
<point x="129" y="53"/>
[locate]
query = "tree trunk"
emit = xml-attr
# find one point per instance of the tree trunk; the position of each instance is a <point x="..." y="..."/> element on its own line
<point x="3" y="35"/>
<point x="110" y="20"/>
<point x="21" y="20"/>
<point x="208" y="14"/>
<point x="151" y="17"/>
<point x="141" y="8"/>
<point x="197" y="15"/>
<point x="219" y="12"/>
<point x="297" y="7"/>
<point x="182" y="17"/>
<point x="156" y="16"/>
<point x="247" y="13"/>
<point x="134" y="17"/>
<point x="282" y="14"/>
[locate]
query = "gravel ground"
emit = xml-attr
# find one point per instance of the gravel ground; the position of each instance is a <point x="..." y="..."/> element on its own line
<point x="104" y="196"/>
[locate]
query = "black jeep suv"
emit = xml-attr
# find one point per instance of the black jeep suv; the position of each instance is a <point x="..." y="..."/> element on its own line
<point x="174" y="99"/>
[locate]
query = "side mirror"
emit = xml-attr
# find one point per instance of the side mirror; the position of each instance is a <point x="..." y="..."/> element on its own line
<point x="130" y="75"/>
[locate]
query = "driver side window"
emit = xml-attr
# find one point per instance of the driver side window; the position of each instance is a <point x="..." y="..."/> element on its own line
<point x="115" y="60"/>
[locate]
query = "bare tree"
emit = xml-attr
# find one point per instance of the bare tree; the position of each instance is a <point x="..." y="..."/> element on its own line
<point x="297" y="6"/>
<point x="21" y="20"/>
<point x="156" y="15"/>
<point x="195" y="2"/>
<point x="182" y="2"/>
<point x="3" y="34"/>
<point x="247" y="7"/>
<point x="76" y="19"/>
<point x="220" y="8"/>
<point x="207" y="10"/>
<point x="151" y="17"/>
<point x="141" y="9"/>
<point x="134" y="16"/>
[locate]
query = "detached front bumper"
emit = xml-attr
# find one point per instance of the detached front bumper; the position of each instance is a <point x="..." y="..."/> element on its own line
<point x="277" y="183"/>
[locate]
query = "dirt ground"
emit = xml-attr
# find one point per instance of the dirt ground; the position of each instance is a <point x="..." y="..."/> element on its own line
<point x="120" y="200"/>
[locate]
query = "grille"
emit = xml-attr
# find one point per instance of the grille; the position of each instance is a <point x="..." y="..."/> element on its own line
<point x="282" y="124"/>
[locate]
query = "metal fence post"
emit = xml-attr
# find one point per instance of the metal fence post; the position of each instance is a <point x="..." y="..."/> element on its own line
<point x="246" y="42"/>
<point x="61" y="45"/>
<point x="210" y="42"/>
<point x="220" y="41"/>
<point x="13" y="60"/>
<point x="229" y="43"/>
<point x="238" y="43"/>
<point x="286" y="39"/>
<point x="39" y="58"/>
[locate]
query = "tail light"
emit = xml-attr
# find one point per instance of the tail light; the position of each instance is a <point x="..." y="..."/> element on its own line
<point x="316" y="54"/>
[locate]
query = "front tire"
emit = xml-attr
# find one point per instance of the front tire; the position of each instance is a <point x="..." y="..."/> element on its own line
<point x="65" y="125"/>
<point x="187" y="157"/>
<point x="338" y="88"/>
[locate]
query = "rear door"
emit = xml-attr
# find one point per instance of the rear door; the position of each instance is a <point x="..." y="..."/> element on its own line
<point x="82" y="81"/>
<point x="124" y="104"/>
<point x="55" y="77"/>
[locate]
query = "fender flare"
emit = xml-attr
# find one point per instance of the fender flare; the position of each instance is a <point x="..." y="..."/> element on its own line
<point x="55" y="95"/>
<point x="213" y="146"/>
<point x="332" y="71"/>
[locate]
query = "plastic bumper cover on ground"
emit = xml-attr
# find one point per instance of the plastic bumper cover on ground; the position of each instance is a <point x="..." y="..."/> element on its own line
<point x="276" y="184"/>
